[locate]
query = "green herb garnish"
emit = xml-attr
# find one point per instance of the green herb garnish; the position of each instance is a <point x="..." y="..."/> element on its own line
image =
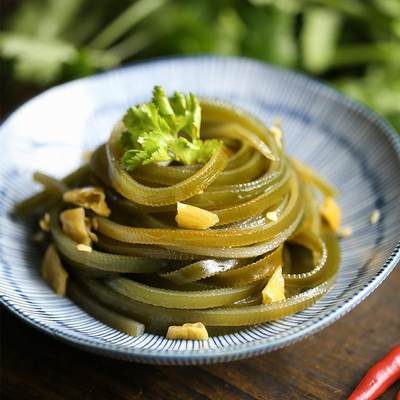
<point x="166" y="129"/>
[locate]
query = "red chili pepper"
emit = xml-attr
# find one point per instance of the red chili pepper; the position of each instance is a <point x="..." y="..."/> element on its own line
<point x="398" y="395"/>
<point x="379" y="377"/>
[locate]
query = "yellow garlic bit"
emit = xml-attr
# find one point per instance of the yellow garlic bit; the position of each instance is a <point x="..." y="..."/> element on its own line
<point x="191" y="217"/>
<point x="44" y="223"/>
<point x="53" y="271"/>
<point x="84" y="248"/>
<point x="92" y="198"/>
<point x="75" y="226"/>
<point x="331" y="212"/>
<point x="188" y="331"/>
<point x="275" y="288"/>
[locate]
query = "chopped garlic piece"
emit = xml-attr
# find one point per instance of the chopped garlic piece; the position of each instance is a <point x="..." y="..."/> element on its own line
<point x="272" y="215"/>
<point x="92" y="198"/>
<point x="44" y="223"/>
<point x="345" y="232"/>
<point x="74" y="225"/>
<point x="83" y="247"/>
<point x="53" y="271"/>
<point x="330" y="211"/>
<point x="194" y="217"/>
<point x="188" y="331"/>
<point x="277" y="134"/>
<point x="375" y="216"/>
<point x="275" y="288"/>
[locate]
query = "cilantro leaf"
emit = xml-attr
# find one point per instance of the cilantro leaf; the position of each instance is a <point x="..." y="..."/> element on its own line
<point x="166" y="129"/>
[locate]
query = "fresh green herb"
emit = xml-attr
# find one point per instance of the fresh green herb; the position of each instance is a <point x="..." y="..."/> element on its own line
<point x="353" y="44"/>
<point x="319" y="38"/>
<point x="166" y="129"/>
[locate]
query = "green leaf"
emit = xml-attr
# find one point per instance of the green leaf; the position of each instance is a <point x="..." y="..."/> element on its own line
<point x="319" y="38"/>
<point x="230" y="31"/>
<point x="270" y="35"/>
<point x="45" y="18"/>
<point x="133" y="158"/>
<point x="185" y="151"/>
<point x="144" y="118"/>
<point x="125" y="21"/>
<point x="388" y="7"/>
<point x="37" y="60"/>
<point x="155" y="132"/>
<point x="364" y="53"/>
<point x="208" y="148"/>
<point x="284" y="5"/>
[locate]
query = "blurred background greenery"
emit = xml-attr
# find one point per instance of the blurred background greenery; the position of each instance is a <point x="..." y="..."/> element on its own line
<point x="352" y="44"/>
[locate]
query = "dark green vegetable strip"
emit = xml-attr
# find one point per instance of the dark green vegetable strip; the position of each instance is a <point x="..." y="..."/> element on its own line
<point x="52" y="185"/>
<point x="146" y="265"/>
<point x="97" y="261"/>
<point x="159" y="318"/>
<point x="200" y="270"/>
<point x="44" y="200"/>
<point x="103" y="314"/>
<point x="178" y="298"/>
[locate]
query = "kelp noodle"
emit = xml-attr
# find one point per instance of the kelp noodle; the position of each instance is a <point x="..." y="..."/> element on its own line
<point x="145" y="270"/>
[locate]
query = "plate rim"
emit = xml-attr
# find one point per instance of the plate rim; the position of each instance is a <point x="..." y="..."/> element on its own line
<point x="240" y="350"/>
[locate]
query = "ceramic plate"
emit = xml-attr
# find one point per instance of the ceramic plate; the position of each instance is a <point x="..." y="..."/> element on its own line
<point x="348" y="144"/>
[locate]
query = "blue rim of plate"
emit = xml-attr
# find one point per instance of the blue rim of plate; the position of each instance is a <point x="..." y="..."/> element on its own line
<point x="242" y="350"/>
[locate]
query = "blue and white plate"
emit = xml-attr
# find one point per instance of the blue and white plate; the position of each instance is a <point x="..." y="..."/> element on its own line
<point x="348" y="144"/>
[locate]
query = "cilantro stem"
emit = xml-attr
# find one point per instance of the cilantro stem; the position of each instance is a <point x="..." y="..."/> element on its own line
<point x="125" y="21"/>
